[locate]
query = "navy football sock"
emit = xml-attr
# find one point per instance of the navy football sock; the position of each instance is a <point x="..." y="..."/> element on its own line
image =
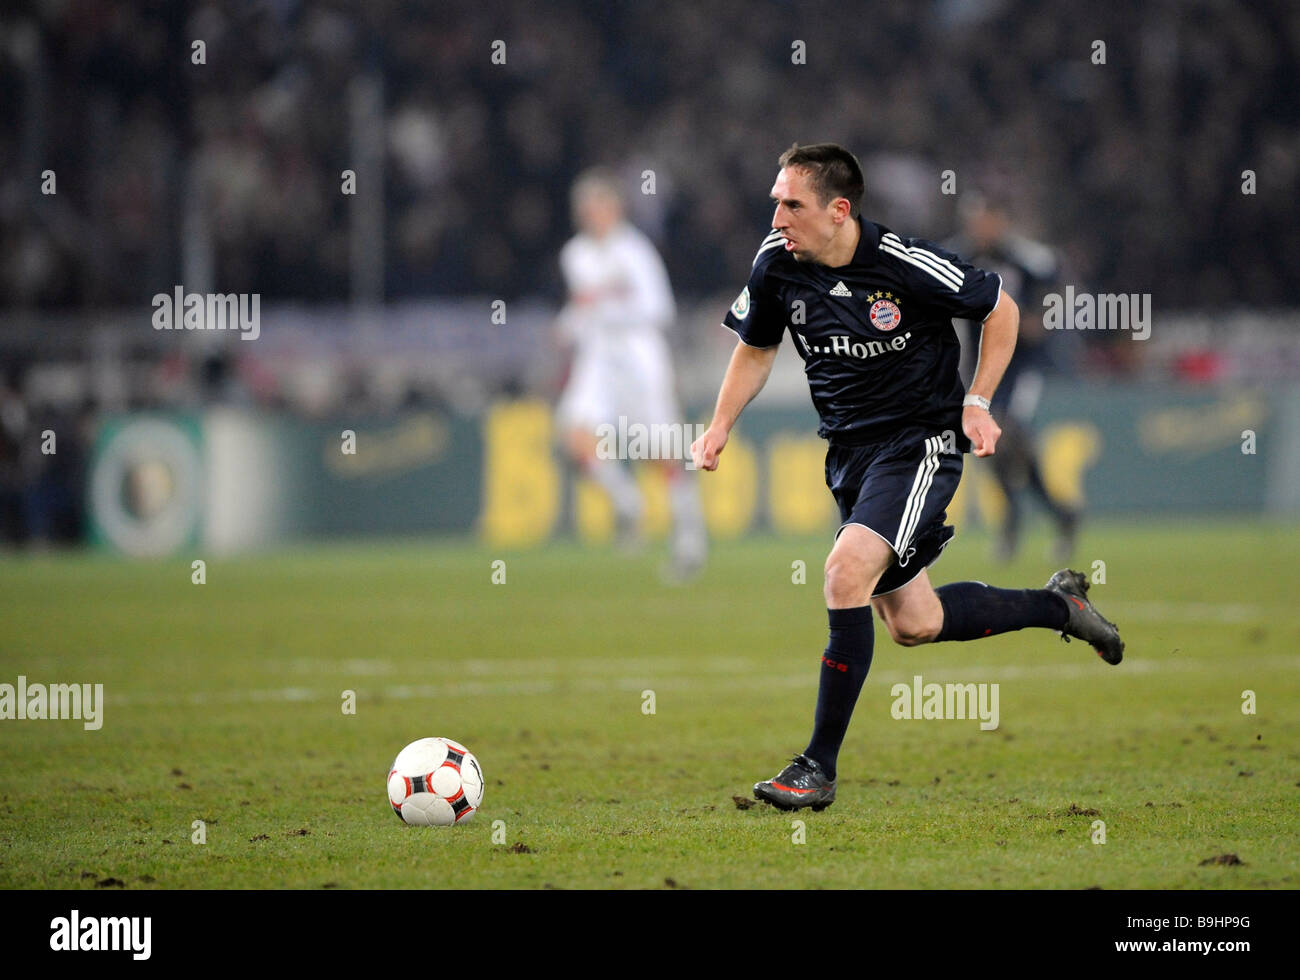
<point x="972" y="610"/>
<point x="844" y="667"/>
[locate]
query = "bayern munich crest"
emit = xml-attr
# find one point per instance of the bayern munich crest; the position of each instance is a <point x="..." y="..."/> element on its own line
<point x="885" y="314"/>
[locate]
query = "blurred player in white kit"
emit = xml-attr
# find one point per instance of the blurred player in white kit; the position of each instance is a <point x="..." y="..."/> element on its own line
<point x="620" y="305"/>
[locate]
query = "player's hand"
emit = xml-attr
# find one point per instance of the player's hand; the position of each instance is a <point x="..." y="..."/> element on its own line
<point x="707" y="448"/>
<point x="980" y="428"/>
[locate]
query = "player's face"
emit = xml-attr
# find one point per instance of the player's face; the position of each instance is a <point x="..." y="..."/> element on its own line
<point x="985" y="226"/>
<point x="596" y="212"/>
<point x="806" y="225"/>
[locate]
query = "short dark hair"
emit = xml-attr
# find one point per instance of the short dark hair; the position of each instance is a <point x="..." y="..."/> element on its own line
<point x="834" y="171"/>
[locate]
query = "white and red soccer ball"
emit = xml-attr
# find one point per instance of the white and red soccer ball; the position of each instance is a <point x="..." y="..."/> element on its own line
<point x="435" y="782"/>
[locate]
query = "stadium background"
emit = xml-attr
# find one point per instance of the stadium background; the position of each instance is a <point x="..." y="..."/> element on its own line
<point x="377" y="307"/>
<point x="450" y="579"/>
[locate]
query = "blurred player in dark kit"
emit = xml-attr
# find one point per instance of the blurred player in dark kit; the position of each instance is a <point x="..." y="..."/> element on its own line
<point x="1029" y="269"/>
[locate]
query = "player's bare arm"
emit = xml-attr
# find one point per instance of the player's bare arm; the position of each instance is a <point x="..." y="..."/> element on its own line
<point x="997" y="344"/>
<point x="746" y="374"/>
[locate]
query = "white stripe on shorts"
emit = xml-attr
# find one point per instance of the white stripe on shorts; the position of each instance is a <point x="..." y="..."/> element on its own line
<point x="916" y="499"/>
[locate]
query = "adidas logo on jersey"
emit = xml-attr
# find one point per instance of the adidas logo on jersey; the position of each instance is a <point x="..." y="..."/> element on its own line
<point x="839" y="289"/>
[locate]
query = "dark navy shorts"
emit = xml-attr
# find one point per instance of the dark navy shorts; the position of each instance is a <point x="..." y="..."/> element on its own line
<point x="900" y="489"/>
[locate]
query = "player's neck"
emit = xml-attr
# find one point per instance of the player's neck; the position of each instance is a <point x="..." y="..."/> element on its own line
<point x="845" y="246"/>
<point x="605" y="233"/>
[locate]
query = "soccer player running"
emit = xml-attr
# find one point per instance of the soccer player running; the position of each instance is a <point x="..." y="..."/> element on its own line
<point x="871" y="316"/>
<point x="620" y="304"/>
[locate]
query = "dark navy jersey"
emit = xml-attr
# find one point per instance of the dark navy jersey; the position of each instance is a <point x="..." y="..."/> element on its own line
<point x="876" y="335"/>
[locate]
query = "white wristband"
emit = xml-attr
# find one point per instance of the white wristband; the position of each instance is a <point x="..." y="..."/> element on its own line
<point x="978" y="400"/>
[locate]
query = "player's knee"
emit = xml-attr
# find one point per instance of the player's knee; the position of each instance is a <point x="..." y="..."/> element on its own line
<point x="912" y="632"/>
<point x="848" y="581"/>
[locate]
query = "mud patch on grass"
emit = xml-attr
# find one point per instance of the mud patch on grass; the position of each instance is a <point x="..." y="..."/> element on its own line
<point x="1230" y="860"/>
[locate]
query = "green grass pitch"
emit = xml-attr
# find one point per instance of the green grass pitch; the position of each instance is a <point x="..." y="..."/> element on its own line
<point x="224" y="704"/>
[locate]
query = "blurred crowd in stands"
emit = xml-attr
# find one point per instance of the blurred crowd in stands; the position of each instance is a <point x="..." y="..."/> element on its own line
<point x="208" y="140"/>
<point x="1133" y="167"/>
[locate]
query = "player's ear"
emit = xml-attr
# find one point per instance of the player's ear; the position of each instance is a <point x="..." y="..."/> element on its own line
<point x="841" y="209"/>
